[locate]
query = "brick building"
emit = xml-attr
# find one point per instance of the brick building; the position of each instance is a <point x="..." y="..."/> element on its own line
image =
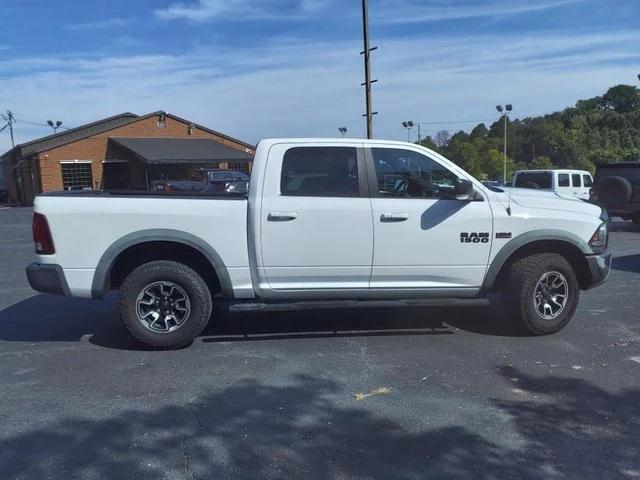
<point x="113" y="153"/>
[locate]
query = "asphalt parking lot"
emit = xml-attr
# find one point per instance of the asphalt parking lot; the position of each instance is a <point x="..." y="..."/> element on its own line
<point x="380" y="393"/>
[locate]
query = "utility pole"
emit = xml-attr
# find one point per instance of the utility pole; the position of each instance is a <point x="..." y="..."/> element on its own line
<point x="419" y="135"/>
<point x="10" y="119"/>
<point x="367" y="68"/>
<point x="504" y="112"/>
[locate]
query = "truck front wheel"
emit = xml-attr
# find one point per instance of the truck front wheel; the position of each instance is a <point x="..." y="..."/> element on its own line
<point x="541" y="293"/>
<point x="164" y="304"/>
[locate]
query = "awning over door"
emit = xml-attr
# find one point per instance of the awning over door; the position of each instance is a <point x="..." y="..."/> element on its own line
<point x="177" y="151"/>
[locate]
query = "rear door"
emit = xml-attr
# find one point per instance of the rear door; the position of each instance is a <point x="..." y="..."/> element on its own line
<point x="587" y="183"/>
<point x="423" y="237"/>
<point x="576" y="185"/>
<point x="563" y="184"/>
<point x="316" y="226"/>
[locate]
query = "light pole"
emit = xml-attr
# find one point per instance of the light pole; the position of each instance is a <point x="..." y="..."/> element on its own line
<point x="504" y="113"/>
<point x="343" y="131"/>
<point x="55" y="125"/>
<point x="408" y="125"/>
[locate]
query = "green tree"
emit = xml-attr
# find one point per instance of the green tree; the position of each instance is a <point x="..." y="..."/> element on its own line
<point x="541" y="163"/>
<point x="622" y="98"/>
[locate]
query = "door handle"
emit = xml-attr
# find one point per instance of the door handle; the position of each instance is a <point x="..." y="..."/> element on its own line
<point x="282" y="216"/>
<point x="394" y="217"/>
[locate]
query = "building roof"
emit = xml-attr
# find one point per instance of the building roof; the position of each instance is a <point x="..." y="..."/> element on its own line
<point x="100" y="126"/>
<point x="73" y="134"/>
<point x="180" y="150"/>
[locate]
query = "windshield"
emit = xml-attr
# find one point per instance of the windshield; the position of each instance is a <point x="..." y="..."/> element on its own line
<point x="537" y="180"/>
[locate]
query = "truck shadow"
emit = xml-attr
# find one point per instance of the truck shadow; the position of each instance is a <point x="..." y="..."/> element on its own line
<point x="620" y="225"/>
<point x="627" y="263"/>
<point x="310" y="427"/>
<point x="48" y="318"/>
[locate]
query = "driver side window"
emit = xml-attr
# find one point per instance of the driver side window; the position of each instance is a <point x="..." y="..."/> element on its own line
<point x="408" y="174"/>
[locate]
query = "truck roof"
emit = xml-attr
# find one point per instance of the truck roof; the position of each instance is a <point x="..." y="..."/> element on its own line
<point x="347" y="140"/>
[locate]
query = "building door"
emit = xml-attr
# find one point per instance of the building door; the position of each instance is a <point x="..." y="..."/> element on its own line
<point x="115" y="175"/>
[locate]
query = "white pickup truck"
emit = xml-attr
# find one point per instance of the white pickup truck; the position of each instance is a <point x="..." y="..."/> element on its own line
<point x="328" y="220"/>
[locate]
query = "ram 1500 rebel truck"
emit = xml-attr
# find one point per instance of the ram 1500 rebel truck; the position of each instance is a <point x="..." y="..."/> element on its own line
<point x="323" y="219"/>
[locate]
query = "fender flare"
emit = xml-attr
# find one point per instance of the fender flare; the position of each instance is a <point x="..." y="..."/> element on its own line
<point x="525" y="239"/>
<point x="105" y="264"/>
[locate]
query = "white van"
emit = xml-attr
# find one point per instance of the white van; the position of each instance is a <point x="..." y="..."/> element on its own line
<point x="568" y="183"/>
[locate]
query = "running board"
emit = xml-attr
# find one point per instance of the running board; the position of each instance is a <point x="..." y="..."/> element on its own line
<point x="342" y="304"/>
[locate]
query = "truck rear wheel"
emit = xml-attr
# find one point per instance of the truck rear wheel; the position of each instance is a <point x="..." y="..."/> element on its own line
<point x="541" y="293"/>
<point x="164" y="304"/>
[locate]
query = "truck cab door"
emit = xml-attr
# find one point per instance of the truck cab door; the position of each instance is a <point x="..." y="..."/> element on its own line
<point x="316" y="232"/>
<point x="424" y="238"/>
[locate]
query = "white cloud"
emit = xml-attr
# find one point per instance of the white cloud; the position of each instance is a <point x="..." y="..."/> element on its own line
<point x="297" y="89"/>
<point x="382" y="11"/>
<point x="100" y="24"/>
<point x="204" y="10"/>
<point x="416" y="12"/>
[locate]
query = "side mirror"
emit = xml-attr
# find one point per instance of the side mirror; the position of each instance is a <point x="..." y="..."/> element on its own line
<point x="463" y="189"/>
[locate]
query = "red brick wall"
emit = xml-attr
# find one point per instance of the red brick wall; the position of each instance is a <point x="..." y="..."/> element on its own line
<point x="95" y="148"/>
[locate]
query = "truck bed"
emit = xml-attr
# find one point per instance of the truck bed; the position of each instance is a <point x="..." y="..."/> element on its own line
<point x="85" y="225"/>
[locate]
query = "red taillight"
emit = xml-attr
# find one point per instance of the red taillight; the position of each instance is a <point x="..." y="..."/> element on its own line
<point x="42" y="235"/>
<point x="168" y="188"/>
<point x="592" y="193"/>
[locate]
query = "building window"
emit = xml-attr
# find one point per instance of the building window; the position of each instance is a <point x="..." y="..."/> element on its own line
<point x="239" y="167"/>
<point x="76" y="176"/>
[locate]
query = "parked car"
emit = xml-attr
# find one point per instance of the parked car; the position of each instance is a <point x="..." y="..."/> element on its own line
<point x="167" y="185"/>
<point x="567" y="183"/>
<point x="210" y="181"/>
<point x="617" y="187"/>
<point x="331" y="220"/>
<point x="493" y="184"/>
<point x="229" y="181"/>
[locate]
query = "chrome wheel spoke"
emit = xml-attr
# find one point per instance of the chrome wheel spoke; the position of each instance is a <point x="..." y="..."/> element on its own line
<point x="163" y="307"/>
<point x="550" y="295"/>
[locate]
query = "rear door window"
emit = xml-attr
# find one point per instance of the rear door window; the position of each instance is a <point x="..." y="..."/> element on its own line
<point x="587" y="181"/>
<point x="576" y="181"/>
<point x="538" y="180"/>
<point x="319" y="172"/>
<point x="563" y="180"/>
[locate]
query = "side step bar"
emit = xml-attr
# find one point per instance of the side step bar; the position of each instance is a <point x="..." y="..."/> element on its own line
<point x="342" y="304"/>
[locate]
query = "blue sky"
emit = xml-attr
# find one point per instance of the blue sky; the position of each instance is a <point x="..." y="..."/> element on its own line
<point x="264" y="68"/>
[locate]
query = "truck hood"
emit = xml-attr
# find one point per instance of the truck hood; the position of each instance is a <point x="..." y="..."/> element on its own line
<point x="530" y="198"/>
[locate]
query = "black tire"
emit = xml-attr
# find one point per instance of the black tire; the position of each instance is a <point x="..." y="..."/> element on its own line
<point x="614" y="192"/>
<point x="521" y="281"/>
<point x="188" y="280"/>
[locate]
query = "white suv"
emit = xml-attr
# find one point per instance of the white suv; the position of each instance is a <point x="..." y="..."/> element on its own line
<point x="567" y="183"/>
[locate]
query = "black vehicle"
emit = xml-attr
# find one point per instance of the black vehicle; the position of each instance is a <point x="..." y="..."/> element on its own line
<point x="617" y="187"/>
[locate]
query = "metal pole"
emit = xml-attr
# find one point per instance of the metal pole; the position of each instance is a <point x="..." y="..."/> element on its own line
<point x="504" y="176"/>
<point x="419" y="136"/>
<point x="11" y="120"/>
<point x="367" y="69"/>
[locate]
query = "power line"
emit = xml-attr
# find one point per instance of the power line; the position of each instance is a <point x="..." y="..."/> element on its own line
<point x="22" y="119"/>
<point x="449" y="122"/>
